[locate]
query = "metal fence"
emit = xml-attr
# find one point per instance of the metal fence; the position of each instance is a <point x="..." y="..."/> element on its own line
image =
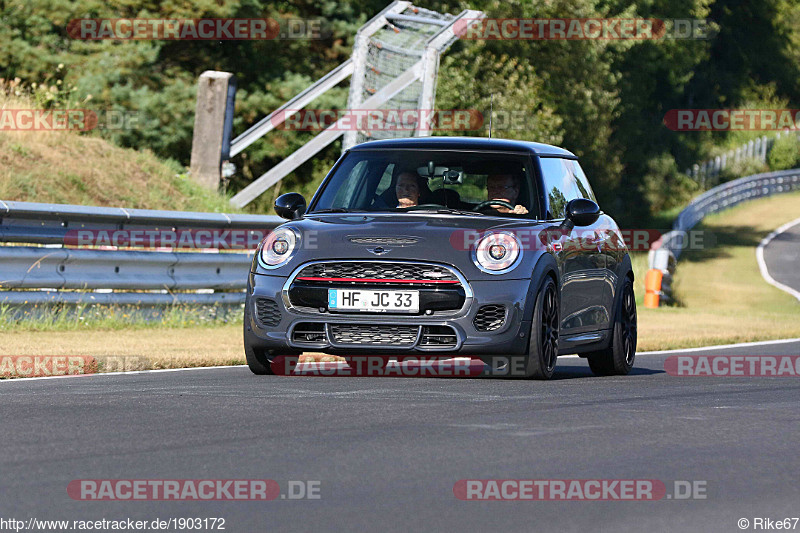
<point x="394" y="65"/>
<point x="708" y="173"/>
<point x="665" y="251"/>
<point x="157" y="277"/>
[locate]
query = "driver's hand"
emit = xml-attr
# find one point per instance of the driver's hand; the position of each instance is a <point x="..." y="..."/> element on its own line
<point x="520" y="210"/>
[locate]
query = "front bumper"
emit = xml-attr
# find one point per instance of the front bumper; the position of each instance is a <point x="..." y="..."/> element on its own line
<point x="293" y="329"/>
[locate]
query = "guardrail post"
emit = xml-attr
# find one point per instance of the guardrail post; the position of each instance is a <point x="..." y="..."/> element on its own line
<point x="213" y="124"/>
<point x="658" y="280"/>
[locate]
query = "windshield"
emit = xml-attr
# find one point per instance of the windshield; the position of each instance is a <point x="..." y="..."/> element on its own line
<point x="419" y="180"/>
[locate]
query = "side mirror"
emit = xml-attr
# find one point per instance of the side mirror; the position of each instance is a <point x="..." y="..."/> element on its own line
<point x="290" y="206"/>
<point x="582" y="212"/>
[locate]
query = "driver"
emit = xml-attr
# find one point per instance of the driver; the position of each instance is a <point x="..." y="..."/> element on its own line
<point x="407" y="189"/>
<point x="505" y="187"/>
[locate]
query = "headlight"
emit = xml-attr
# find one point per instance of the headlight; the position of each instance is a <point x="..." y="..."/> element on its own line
<point x="497" y="253"/>
<point x="278" y="247"/>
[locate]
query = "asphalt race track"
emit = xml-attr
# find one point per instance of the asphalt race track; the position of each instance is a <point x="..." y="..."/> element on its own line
<point x="388" y="451"/>
<point x="782" y="257"/>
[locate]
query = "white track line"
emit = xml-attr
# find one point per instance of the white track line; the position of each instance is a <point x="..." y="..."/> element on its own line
<point x="680" y="350"/>
<point x="762" y="265"/>
<point x="720" y="347"/>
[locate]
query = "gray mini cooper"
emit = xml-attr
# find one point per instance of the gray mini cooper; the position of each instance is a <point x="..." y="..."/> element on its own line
<point x="446" y="247"/>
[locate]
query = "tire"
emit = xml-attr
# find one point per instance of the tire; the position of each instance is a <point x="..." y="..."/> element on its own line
<point x="256" y="359"/>
<point x="540" y="361"/>
<point x="257" y="362"/>
<point x="619" y="357"/>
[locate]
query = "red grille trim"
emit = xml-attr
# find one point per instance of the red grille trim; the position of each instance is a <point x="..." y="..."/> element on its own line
<point x="376" y="280"/>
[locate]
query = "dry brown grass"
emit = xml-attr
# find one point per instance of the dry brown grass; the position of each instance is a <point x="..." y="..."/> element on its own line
<point x="161" y="348"/>
<point x="143" y="349"/>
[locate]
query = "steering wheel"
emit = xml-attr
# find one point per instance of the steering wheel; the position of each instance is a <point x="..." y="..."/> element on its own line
<point x="493" y="202"/>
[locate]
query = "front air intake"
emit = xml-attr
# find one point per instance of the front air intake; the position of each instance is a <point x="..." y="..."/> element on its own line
<point x="438" y="336"/>
<point x="490" y="318"/>
<point x="267" y="312"/>
<point x="309" y="333"/>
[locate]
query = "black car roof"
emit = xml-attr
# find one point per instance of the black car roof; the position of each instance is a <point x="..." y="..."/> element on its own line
<point x="465" y="143"/>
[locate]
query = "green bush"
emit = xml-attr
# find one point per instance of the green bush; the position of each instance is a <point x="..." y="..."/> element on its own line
<point x="785" y="153"/>
<point x="664" y="187"/>
<point x="747" y="166"/>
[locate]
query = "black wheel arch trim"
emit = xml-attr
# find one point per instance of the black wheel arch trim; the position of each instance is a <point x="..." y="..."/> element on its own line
<point x="624" y="270"/>
<point x="545" y="265"/>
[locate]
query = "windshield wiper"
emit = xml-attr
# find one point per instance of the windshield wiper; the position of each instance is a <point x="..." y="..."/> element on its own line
<point x="447" y="211"/>
<point x="331" y="210"/>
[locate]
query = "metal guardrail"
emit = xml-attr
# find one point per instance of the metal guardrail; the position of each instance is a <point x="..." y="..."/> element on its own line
<point x="31" y="222"/>
<point x="666" y="251"/>
<point x="34" y="298"/>
<point x="57" y="268"/>
<point x="65" y="268"/>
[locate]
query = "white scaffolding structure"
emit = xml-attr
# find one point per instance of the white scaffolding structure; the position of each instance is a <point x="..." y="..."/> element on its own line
<point x="394" y="65"/>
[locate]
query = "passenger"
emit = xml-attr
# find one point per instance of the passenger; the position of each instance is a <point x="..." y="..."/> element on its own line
<point x="505" y="187"/>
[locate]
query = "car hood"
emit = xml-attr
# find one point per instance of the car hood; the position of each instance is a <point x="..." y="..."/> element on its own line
<point x="440" y="238"/>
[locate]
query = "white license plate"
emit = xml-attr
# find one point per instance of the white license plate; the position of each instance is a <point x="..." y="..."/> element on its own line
<point x="373" y="301"/>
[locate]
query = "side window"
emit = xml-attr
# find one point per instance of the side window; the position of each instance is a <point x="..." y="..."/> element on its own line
<point x="582" y="181"/>
<point x="344" y="196"/>
<point x="560" y="185"/>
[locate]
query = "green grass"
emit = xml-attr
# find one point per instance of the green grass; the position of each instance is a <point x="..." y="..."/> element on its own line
<point x="71" y="168"/>
<point x="721" y="295"/>
<point x="114" y="318"/>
